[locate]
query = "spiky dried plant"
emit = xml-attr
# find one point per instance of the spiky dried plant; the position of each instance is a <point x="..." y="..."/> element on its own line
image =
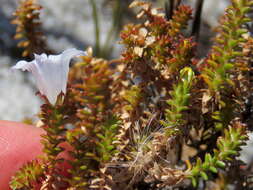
<point x="28" y="29"/>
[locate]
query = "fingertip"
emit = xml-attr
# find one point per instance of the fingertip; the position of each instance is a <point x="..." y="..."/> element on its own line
<point x="19" y="143"/>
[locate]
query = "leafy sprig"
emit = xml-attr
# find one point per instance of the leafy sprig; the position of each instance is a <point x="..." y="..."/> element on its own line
<point x="28" y="176"/>
<point x="179" y="101"/>
<point x="29" y="28"/>
<point x="228" y="148"/>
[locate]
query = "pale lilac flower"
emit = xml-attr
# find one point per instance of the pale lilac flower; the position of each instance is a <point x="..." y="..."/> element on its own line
<point x="50" y="72"/>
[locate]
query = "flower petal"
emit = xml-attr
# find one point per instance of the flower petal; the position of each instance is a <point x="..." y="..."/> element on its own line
<point x="50" y="72"/>
<point x="66" y="56"/>
<point x="23" y="65"/>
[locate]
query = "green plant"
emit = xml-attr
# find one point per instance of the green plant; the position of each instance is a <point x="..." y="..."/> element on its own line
<point x="158" y="116"/>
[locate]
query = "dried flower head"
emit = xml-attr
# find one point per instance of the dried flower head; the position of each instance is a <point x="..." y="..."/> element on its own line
<point x="50" y="72"/>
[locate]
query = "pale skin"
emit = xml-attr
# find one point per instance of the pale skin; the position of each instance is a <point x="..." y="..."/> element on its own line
<point x="19" y="143"/>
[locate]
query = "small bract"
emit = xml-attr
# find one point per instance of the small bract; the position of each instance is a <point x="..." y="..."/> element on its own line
<point x="50" y="72"/>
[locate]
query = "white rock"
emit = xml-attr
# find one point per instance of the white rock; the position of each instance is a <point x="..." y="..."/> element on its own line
<point x="17" y="97"/>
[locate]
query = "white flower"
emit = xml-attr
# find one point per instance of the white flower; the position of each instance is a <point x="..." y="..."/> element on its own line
<point x="50" y="72"/>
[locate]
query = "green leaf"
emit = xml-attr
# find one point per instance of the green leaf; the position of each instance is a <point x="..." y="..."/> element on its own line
<point x="213" y="169"/>
<point x="203" y="175"/>
<point x="220" y="164"/>
<point x="194" y="181"/>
